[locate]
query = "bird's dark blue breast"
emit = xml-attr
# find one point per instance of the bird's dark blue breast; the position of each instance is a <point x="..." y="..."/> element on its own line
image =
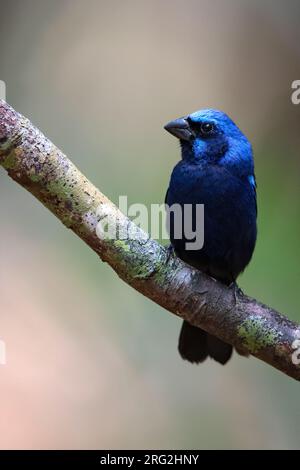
<point x="229" y="217"/>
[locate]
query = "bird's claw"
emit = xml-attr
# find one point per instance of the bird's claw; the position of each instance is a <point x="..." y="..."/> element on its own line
<point x="170" y="252"/>
<point x="237" y="291"/>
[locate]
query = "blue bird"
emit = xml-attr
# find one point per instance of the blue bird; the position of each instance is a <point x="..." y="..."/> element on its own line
<point x="216" y="170"/>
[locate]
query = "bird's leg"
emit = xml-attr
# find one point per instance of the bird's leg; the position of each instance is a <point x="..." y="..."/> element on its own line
<point x="236" y="290"/>
<point x="170" y="252"/>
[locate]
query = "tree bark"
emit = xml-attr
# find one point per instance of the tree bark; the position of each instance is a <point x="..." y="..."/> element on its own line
<point x="36" y="164"/>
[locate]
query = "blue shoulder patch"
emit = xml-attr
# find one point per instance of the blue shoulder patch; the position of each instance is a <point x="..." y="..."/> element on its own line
<point x="252" y="181"/>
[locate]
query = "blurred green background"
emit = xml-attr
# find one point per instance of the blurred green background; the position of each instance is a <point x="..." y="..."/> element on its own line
<point x="90" y="362"/>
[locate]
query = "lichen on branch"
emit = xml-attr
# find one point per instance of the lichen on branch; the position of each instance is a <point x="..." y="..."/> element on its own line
<point x="39" y="166"/>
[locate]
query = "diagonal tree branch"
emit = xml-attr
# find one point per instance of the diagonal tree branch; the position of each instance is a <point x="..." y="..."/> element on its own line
<point x="36" y="164"/>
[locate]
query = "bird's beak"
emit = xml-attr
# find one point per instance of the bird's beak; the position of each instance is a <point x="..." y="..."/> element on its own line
<point x="180" y="128"/>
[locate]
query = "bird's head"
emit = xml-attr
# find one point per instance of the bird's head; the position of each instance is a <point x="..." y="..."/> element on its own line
<point x="211" y="136"/>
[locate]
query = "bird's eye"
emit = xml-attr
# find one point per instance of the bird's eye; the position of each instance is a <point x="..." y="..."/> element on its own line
<point x="203" y="129"/>
<point x="207" y="128"/>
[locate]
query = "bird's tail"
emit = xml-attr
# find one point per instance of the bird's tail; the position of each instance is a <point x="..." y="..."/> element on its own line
<point x="195" y="345"/>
